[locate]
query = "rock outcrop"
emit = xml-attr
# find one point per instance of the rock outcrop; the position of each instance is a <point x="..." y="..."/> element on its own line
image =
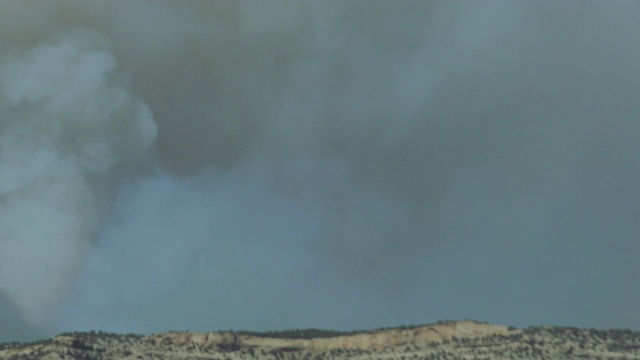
<point x="444" y="340"/>
<point x="363" y="341"/>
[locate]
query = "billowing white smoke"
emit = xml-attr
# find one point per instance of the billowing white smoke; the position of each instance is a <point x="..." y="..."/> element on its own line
<point x="67" y="115"/>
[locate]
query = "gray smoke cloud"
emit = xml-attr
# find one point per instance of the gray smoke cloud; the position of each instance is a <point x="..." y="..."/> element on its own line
<point x="210" y="165"/>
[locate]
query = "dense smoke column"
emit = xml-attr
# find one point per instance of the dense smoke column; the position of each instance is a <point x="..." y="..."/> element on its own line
<point x="67" y="118"/>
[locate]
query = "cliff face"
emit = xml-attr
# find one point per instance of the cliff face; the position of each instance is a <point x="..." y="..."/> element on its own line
<point x="370" y="340"/>
<point x="459" y="340"/>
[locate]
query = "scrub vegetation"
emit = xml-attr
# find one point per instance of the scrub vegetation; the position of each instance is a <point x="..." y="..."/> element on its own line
<point x="543" y="342"/>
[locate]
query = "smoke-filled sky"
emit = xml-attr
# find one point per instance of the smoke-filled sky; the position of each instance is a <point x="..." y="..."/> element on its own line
<point x="207" y="165"/>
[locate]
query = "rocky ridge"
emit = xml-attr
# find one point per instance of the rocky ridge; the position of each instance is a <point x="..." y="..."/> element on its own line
<point x="443" y="340"/>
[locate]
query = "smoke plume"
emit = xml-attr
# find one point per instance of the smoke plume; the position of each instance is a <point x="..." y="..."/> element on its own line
<point x="209" y="165"/>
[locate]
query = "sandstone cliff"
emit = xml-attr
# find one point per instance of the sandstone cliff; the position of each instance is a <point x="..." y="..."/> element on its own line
<point x="445" y="340"/>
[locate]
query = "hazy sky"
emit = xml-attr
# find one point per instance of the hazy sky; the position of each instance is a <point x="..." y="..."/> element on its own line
<point x="208" y="165"/>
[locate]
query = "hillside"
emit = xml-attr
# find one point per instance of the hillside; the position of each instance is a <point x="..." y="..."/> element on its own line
<point x="443" y="340"/>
